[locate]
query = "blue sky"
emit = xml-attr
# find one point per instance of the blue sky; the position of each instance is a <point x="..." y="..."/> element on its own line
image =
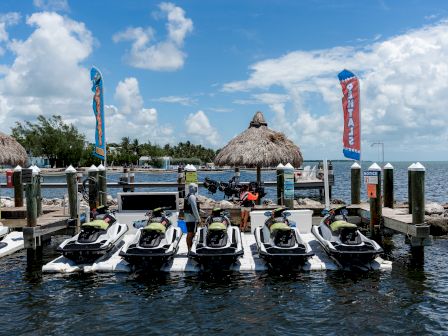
<point x="199" y="70"/>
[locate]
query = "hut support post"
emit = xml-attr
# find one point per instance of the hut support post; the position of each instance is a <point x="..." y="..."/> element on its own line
<point x="388" y="186"/>
<point x="18" y="186"/>
<point x="418" y="206"/>
<point x="355" y="183"/>
<point x="258" y="201"/>
<point x="375" y="199"/>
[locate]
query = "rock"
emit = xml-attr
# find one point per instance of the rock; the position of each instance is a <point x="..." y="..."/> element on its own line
<point x="439" y="225"/>
<point x="7" y="202"/>
<point x="308" y="203"/>
<point x="226" y="204"/>
<point x="337" y="201"/>
<point x="434" y="208"/>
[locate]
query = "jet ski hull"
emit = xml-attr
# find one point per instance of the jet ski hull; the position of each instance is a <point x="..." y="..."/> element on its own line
<point x="217" y="258"/>
<point x="346" y="255"/>
<point x="83" y="253"/>
<point x="151" y="258"/>
<point x="282" y="257"/>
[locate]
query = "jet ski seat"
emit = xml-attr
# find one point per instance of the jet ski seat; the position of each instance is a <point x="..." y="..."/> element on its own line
<point x="90" y="231"/>
<point x="152" y="235"/>
<point x="338" y="225"/>
<point x="155" y="226"/>
<point x="279" y="226"/>
<point x="217" y="226"/>
<point x="282" y="235"/>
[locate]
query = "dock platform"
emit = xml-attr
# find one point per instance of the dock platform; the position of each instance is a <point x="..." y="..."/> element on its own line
<point x="249" y="262"/>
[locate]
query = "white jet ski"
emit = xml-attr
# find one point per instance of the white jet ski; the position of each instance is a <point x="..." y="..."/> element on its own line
<point x="218" y="244"/>
<point x="279" y="243"/>
<point x="96" y="238"/>
<point x="343" y="241"/>
<point x="154" y="243"/>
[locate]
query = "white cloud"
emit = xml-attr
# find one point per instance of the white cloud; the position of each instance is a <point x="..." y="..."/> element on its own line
<point x="46" y="76"/>
<point x="403" y="89"/>
<point x="7" y="19"/>
<point x="52" y="5"/>
<point x="131" y="119"/>
<point x="186" y="101"/>
<point x="198" y="126"/>
<point x="166" y="55"/>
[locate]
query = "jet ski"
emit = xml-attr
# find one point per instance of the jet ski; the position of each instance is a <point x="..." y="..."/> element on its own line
<point x="154" y="243"/>
<point x="217" y="244"/>
<point x="95" y="239"/>
<point x="4" y="230"/>
<point x="342" y="240"/>
<point x="279" y="242"/>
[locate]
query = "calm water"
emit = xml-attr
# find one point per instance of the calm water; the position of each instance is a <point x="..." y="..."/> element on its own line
<point x="409" y="300"/>
<point x="436" y="182"/>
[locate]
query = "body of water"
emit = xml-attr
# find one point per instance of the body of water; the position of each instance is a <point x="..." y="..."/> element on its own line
<point x="408" y="300"/>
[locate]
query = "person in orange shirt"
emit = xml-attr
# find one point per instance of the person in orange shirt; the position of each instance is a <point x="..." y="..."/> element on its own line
<point x="247" y="203"/>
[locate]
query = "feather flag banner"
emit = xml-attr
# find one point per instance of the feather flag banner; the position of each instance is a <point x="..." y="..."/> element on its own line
<point x="352" y="121"/>
<point x="98" y="110"/>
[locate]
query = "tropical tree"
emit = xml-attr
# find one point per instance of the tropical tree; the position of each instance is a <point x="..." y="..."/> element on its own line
<point x="51" y="138"/>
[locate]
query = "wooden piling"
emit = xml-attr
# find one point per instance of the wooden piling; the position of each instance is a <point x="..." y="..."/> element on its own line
<point x="409" y="188"/>
<point x="102" y="184"/>
<point x="375" y="202"/>
<point x="418" y="193"/>
<point x="355" y="172"/>
<point x="258" y="201"/>
<point x="132" y="179"/>
<point x="93" y="187"/>
<point x="280" y="182"/>
<point x="288" y="186"/>
<point x="72" y="189"/>
<point x="18" y="186"/>
<point x="38" y="191"/>
<point x="125" y="179"/>
<point x="31" y="201"/>
<point x="237" y="175"/>
<point x="180" y="182"/>
<point x="388" y="186"/>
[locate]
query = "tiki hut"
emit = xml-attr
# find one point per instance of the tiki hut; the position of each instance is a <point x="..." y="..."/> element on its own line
<point x="258" y="146"/>
<point x="11" y="152"/>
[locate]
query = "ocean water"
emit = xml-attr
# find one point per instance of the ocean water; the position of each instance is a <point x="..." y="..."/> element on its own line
<point x="436" y="185"/>
<point x="410" y="299"/>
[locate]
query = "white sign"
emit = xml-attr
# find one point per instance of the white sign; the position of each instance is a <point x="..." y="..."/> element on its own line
<point x="371" y="179"/>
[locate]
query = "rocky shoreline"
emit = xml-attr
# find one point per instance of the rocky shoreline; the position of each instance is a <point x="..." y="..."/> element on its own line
<point x="435" y="214"/>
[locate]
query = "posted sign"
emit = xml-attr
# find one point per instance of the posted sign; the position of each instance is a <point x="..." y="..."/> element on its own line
<point x="371" y="179"/>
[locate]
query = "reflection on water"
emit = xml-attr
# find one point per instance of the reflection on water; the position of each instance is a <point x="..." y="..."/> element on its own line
<point x="406" y="300"/>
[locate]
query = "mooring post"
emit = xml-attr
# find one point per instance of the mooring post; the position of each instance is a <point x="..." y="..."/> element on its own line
<point x="125" y="179"/>
<point x="72" y="189"/>
<point x="258" y="201"/>
<point x="355" y="171"/>
<point x="288" y="188"/>
<point x="18" y="186"/>
<point x="410" y="188"/>
<point x="374" y="193"/>
<point x="31" y="200"/>
<point x="418" y="193"/>
<point x="280" y="182"/>
<point x="418" y="206"/>
<point x="102" y="184"/>
<point x="180" y="182"/>
<point x="38" y="191"/>
<point x="93" y="187"/>
<point x="132" y="179"/>
<point x="388" y="186"/>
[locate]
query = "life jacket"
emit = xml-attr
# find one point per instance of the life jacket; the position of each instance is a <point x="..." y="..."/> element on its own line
<point x="187" y="205"/>
<point x="245" y="202"/>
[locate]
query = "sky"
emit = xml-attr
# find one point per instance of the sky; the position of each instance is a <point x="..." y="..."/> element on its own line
<point x="199" y="70"/>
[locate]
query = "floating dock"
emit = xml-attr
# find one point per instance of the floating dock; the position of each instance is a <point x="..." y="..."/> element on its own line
<point x="249" y="262"/>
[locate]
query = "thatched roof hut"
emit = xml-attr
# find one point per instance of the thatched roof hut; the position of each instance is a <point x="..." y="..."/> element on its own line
<point x="258" y="146"/>
<point x="11" y="152"/>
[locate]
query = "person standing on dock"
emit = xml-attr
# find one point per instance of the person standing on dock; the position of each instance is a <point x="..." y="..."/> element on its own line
<point x="247" y="203"/>
<point x="191" y="213"/>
